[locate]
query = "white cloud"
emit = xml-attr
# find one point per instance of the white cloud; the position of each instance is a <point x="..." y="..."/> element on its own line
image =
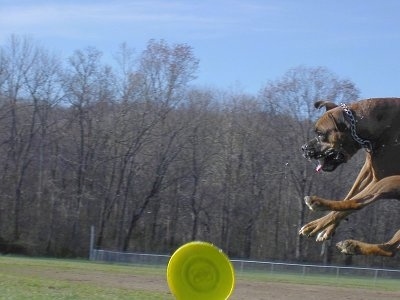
<point x="190" y="18"/>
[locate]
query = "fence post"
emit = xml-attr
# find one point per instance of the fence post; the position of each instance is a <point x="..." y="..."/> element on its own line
<point x="375" y="277"/>
<point x="337" y="273"/>
<point x="91" y="246"/>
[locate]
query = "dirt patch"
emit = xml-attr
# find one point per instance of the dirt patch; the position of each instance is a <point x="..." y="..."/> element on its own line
<point x="286" y="291"/>
<point x="245" y="289"/>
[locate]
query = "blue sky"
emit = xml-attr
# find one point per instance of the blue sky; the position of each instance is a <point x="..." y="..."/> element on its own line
<point x="240" y="44"/>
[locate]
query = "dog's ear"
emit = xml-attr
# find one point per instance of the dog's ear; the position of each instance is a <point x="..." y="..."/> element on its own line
<point x="328" y="105"/>
<point x="338" y="121"/>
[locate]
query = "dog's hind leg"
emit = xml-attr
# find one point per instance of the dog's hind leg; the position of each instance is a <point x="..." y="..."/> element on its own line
<point x="354" y="247"/>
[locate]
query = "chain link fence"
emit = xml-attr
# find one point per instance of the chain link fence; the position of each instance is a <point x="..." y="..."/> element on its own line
<point x="262" y="267"/>
<point x="241" y="266"/>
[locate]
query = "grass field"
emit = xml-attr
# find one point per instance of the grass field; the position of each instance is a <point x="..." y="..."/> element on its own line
<point x="27" y="278"/>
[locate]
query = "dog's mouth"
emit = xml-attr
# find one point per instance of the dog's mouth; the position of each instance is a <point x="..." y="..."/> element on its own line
<point x="327" y="160"/>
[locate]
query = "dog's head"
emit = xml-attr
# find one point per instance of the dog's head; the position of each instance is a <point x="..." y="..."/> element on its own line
<point x="333" y="144"/>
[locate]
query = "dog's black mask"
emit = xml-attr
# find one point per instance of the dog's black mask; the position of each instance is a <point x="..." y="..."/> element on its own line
<point x="328" y="158"/>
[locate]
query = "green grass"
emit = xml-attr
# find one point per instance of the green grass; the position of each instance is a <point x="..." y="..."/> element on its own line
<point x="25" y="278"/>
<point x="41" y="279"/>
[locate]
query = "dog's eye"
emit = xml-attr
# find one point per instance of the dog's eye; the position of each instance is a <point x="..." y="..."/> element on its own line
<point x="320" y="136"/>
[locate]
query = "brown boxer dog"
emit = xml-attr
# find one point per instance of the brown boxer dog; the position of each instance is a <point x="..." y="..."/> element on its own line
<point x="373" y="125"/>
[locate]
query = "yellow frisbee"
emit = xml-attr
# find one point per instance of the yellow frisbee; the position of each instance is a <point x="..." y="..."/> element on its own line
<point x="200" y="271"/>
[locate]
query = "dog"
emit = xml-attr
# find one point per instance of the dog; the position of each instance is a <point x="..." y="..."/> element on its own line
<point x="342" y="130"/>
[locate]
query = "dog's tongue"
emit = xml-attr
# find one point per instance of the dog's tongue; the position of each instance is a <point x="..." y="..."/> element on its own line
<point x="318" y="168"/>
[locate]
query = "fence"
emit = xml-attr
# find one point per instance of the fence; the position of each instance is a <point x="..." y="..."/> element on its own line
<point x="129" y="258"/>
<point x="253" y="266"/>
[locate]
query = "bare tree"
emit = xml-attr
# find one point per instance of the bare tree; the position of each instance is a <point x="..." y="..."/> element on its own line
<point x="21" y="66"/>
<point x="88" y="86"/>
<point x="156" y="88"/>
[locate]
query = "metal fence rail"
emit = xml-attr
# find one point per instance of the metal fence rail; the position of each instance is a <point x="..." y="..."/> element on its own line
<point x="252" y="266"/>
<point x="129" y="258"/>
<point x="315" y="270"/>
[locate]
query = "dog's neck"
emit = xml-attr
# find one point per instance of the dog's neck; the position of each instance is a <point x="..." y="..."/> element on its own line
<point x="388" y="116"/>
<point x="364" y="143"/>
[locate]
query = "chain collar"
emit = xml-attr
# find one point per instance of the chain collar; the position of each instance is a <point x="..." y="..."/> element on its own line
<point x="366" y="144"/>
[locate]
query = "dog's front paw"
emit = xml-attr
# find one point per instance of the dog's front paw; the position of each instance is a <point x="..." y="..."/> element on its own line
<point x="323" y="227"/>
<point x="312" y="228"/>
<point x="323" y="236"/>
<point x="314" y="204"/>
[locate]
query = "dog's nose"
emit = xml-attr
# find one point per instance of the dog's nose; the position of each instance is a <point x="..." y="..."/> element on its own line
<point x="308" y="151"/>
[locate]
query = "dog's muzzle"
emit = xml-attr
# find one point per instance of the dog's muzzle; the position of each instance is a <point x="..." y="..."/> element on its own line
<point x="327" y="159"/>
<point x="310" y="149"/>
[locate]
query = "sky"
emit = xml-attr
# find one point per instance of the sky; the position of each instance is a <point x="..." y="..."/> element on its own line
<point x="241" y="45"/>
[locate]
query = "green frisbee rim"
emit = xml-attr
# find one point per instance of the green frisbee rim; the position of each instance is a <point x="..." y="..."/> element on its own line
<point x="199" y="271"/>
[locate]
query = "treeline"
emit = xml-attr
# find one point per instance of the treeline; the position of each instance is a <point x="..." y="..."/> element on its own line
<point x="153" y="162"/>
